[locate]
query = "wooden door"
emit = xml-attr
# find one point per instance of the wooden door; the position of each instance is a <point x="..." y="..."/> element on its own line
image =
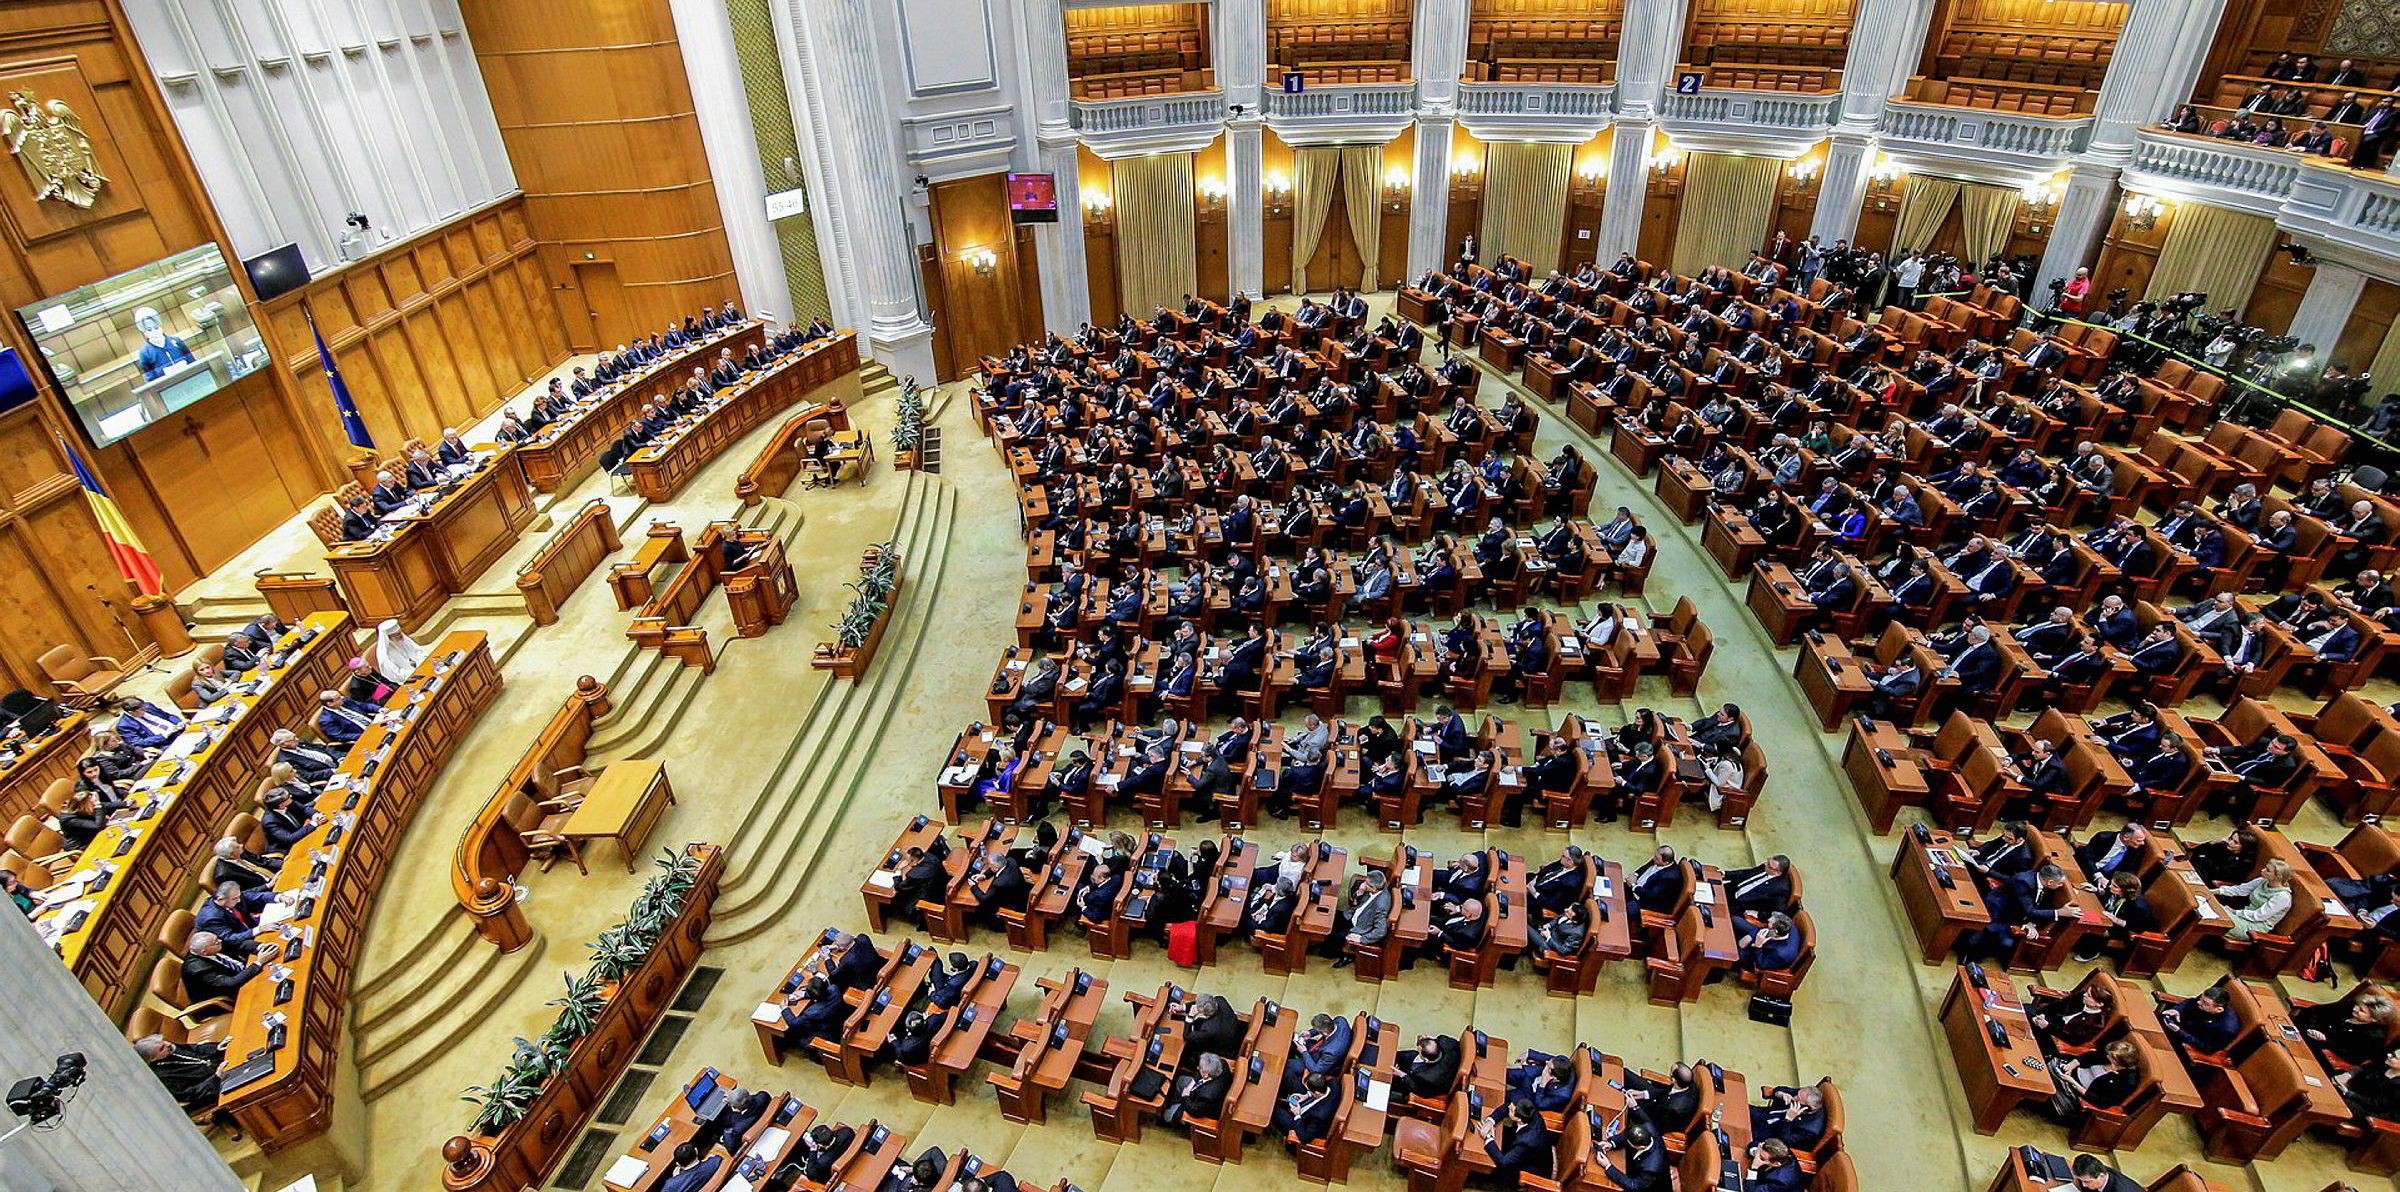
<point x="603" y="322"/>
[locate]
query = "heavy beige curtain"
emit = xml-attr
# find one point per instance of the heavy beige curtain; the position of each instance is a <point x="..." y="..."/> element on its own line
<point x="1987" y="213"/>
<point x="1320" y="171"/>
<point x="1727" y="202"/>
<point x="2386" y="365"/>
<point x="2215" y="251"/>
<point x="1923" y="207"/>
<point x="1362" y="197"/>
<point x="1524" y="202"/>
<point x="1157" y="242"/>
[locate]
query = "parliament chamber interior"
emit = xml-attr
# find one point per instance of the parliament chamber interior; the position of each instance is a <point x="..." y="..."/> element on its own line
<point x="975" y="595"/>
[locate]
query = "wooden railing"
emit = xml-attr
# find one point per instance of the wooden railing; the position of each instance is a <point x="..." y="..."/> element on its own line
<point x="523" y="1154"/>
<point x="761" y="591"/>
<point x="556" y="570"/>
<point x="772" y="472"/>
<point x="291" y="596"/>
<point x="492" y="852"/>
<point x="662" y="467"/>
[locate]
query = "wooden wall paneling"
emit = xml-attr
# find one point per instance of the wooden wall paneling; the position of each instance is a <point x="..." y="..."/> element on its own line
<point x="2128" y="254"/>
<point x="2277" y="297"/>
<point x="929" y="277"/>
<point x="1211" y="226"/>
<point x="598" y="119"/>
<point x="1662" y="212"/>
<point x="2362" y="337"/>
<point x="1466" y="192"/>
<point x="1099" y="234"/>
<point x="975" y="312"/>
<point x="1400" y="156"/>
<point x="1031" y="322"/>
<point x="1276" y="165"/>
<point x="2079" y="17"/>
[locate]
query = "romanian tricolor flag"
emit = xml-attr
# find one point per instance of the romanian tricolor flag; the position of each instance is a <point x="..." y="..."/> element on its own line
<point x="133" y="559"/>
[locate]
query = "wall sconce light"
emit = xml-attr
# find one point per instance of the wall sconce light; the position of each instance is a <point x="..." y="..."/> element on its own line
<point x="1213" y="189"/>
<point x="983" y="260"/>
<point x="2046" y="194"/>
<point x="1465" y="166"/>
<point x="1592" y="170"/>
<point x="1396" y="180"/>
<point x="1279" y="183"/>
<point x="1803" y="170"/>
<point x="1884" y="172"/>
<point x="2142" y="211"/>
<point x="1665" y="160"/>
<point x="1097" y="202"/>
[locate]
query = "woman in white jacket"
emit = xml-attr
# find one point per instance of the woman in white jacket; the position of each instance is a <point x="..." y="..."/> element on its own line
<point x="2258" y="904"/>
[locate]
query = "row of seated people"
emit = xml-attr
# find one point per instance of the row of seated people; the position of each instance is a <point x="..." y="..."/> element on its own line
<point x="220" y="944"/>
<point x="128" y="735"/>
<point x="403" y="486"/>
<point x="2316" y="138"/>
<point x="696" y="395"/>
<point x="1483" y="912"/>
<point x="2145" y="899"/>
<point x="2110" y="1059"/>
<point x="1330" y="1088"/>
<point x="717" y="1135"/>
<point x="1644" y="770"/>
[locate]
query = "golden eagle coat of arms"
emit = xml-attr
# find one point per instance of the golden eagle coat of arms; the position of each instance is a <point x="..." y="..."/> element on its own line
<point x="49" y="142"/>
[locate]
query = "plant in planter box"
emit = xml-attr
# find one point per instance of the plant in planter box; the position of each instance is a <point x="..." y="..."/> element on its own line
<point x="504" y="1101"/>
<point x="578" y="1010"/>
<point x="618" y="951"/>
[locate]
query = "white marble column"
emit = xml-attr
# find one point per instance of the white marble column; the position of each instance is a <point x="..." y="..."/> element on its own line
<point x="1627" y="187"/>
<point x="1842" y="188"/>
<point x="122" y="1130"/>
<point x="1239" y="32"/>
<point x="2325" y="308"/>
<point x="2158" y="55"/>
<point x="1437" y="57"/>
<point x="715" y="77"/>
<point x="1886" y="39"/>
<point x="856" y="173"/>
<point x="1647" y="49"/>
<point x="1246" y="207"/>
<point x="1429" y="203"/>
<point x="2084" y="213"/>
<point x="1066" y="290"/>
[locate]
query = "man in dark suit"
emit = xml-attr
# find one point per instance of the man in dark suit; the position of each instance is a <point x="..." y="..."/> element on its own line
<point x="944" y="988"/>
<point x="189" y="1070"/>
<point x="2090" y="1174"/>
<point x="1305" y="1115"/>
<point x="1773" y="1169"/>
<point x="313" y="763"/>
<point x="215" y="969"/>
<point x="1794" y="1115"/>
<point x="1200" y="1093"/>
<point x="1212" y="1028"/>
<point x="820" y="1148"/>
<point x="2109" y="853"/>
<point x="742" y="1111"/>
<point x="1668" y="1108"/>
<point x="856" y="964"/>
<point x="912" y="1046"/>
<point x="689" y="1170"/>
<point x="1517" y="1142"/>
<point x="1762" y="889"/>
<point x="342" y="720"/>
<point x="1645" y="1169"/>
<point x="231" y="914"/>
<point x="1430" y="1070"/>
<point x="1659" y="884"/>
<point x="922" y="878"/>
<point x="816" y="1012"/>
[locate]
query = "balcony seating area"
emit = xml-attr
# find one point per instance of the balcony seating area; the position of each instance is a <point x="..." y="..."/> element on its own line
<point x="1802" y="79"/>
<point x="2034" y="99"/>
<point x="2071" y="60"/>
<point x="1780" y="44"/>
<point x="1338" y="43"/>
<point x="1331" y="74"/>
<point x="1117" y="63"/>
<point x="1543" y="50"/>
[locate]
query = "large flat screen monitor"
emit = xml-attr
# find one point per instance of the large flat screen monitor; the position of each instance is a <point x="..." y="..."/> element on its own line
<point x="131" y="349"/>
<point x="1033" y="198"/>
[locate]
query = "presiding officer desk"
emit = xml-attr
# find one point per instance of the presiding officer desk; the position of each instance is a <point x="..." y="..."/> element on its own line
<point x="421" y="558"/>
<point x="103" y="918"/>
<point x="666" y="462"/>
<point x="561" y="453"/>
<point x="284" y="1043"/>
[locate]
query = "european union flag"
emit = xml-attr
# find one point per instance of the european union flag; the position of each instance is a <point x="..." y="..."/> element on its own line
<point x="352" y="425"/>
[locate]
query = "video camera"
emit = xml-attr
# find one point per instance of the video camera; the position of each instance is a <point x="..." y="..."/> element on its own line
<point x="40" y="1099"/>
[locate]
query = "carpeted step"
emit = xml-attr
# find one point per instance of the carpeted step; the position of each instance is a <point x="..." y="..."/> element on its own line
<point x="446" y="1013"/>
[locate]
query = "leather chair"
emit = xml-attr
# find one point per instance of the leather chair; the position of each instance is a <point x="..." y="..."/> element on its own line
<point x="81" y="680"/>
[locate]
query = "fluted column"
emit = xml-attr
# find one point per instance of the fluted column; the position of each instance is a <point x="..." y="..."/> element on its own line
<point x="1066" y="291"/>
<point x="859" y="175"/>
<point x="122" y="1130"/>
<point x="2158" y="55"/>
<point x="705" y="35"/>
<point x="2084" y="213"/>
<point x="1628" y="186"/>
<point x="1429" y="204"/>
<point x="1651" y="41"/>
<point x="1437" y="57"/>
<point x="1842" y="189"/>
<point x="2325" y="308"/>
<point x="1240" y="53"/>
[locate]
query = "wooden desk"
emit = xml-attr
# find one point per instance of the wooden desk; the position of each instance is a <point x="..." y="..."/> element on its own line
<point x="1938" y="913"/>
<point x="963" y="1039"/>
<point x="565" y="451"/>
<point x="1733" y="542"/>
<point x="45" y="760"/>
<point x="623" y="805"/>
<point x="371" y="799"/>
<point x="434" y="555"/>
<point x="152" y="857"/>
<point x="1779" y="602"/>
<point x="662" y="466"/>
<point x="1998" y="1077"/>
<point x="1050" y="1046"/>
<point x="1830" y="677"/>
<point x="1884" y="771"/>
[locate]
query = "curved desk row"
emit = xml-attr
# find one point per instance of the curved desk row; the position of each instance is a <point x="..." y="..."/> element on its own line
<point x="663" y="466"/>
<point x="103" y="917"/>
<point x="283" y="1046"/>
<point x="561" y="453"/>
<point x="433" y="555"/>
